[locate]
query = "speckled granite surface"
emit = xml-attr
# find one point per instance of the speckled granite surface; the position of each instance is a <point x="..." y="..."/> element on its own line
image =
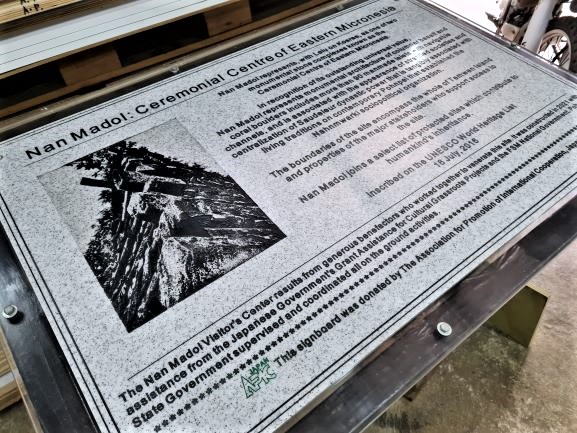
<point x="385" y="161"/>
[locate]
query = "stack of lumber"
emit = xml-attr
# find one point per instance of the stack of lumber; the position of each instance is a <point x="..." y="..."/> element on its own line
<point x="13" y="12"/>
<point x="29" y="45"/>
<point x="87" y="44"/>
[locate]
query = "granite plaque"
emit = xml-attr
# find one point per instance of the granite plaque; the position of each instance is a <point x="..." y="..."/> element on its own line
<point x="217" y="250"/>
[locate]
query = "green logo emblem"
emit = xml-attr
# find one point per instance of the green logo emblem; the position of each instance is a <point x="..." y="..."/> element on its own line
<point x="259" y="375"/>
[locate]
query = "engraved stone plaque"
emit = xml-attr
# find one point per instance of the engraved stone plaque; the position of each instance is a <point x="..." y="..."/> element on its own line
<point x="217" y="250"/>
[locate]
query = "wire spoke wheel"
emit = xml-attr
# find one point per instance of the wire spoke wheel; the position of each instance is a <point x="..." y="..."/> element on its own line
<point x="559" y="43"/>
<point x="556" y="48"/>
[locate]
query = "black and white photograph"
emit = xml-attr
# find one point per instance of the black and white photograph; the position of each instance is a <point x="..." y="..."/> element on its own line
<point x="157" y="219"/>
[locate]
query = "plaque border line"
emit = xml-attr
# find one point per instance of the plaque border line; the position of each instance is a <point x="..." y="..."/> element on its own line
<point x="302" y="264"/>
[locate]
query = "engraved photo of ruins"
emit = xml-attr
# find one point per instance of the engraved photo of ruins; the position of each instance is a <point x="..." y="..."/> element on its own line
<point x="157" y="220"/>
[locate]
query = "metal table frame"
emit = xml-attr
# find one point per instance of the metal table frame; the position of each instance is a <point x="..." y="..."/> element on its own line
<point x="55" y="401"/>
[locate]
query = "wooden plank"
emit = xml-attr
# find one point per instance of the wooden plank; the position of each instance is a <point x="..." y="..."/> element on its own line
<point x="89" y="64"/>
<point x="11" y="10"/>
<point x="292" y="13"/>
<point x="4" y="366"/>
<point x="9" y="393"/>
<point x="49" y="15"/>
<point x="228" y="17"/>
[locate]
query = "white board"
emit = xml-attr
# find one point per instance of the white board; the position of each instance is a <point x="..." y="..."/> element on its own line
<point x="19" y="49"/>
<point x="218" y="249"/>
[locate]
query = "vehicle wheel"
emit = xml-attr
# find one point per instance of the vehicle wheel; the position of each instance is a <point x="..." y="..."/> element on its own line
<point x="559" y="43"/>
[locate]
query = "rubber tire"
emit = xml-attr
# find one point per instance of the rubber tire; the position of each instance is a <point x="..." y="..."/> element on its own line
<point x="569" y="26"/>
